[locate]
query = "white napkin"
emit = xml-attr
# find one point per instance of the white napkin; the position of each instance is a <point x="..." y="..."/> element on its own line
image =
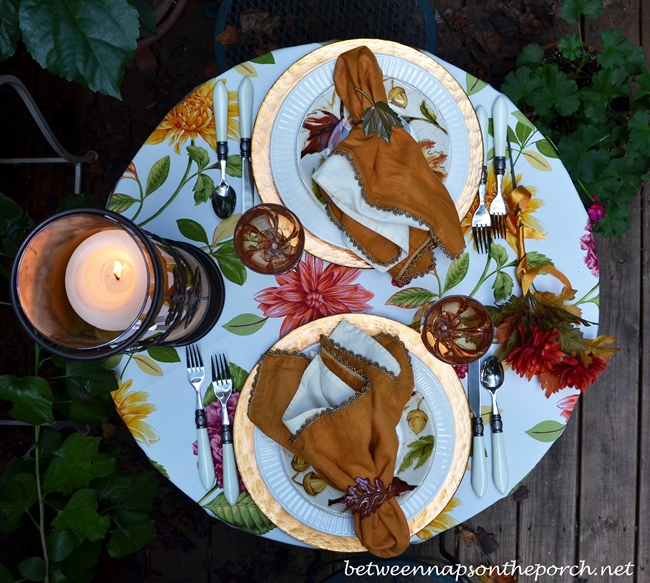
<point x="320" y="389"/>
<point x="337" y="178"/>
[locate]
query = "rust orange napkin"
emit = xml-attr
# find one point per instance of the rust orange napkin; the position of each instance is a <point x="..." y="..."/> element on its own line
<point x="349" y="439"/>
<point x="393" y="177"/>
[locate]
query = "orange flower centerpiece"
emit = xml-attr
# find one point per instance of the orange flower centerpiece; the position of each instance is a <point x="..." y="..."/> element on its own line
<point x="540" y="332"/>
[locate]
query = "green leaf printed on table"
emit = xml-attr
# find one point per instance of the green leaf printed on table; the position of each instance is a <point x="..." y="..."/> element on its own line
<point x="199" y="155"/>
<point x="244" y="514"/>
<point x="457" y="271"/>
<point x="414" y="297"/>
<point x="474" y="84"/>
<point x="420" y="450"/>
<point x="202" y="189"/>
<point x="9" y="28"/>
<point x="164" y="354"/>
<point x="225" y="228"/>
<point x="546" y="149"/>
<point x="157" y="175"/>
<point x="192" y="230"/>
<point x="230" y="264"/>
<point x="89" y="378"/>
<point x="118" y="203"/>
<point x="239" y="376"/>
<point x="17" y="495"/>
<point x="537" y="161"/>
<point x="499" y="254"/>
<point x="502" y="286"/>
<point x="148" y="366"/>
<point x="246" y="69"/>
<point x="80" y="516"/>
<point x="146" y="17"/>
<point x="103" y="32"/>
<point x="31" y="398"/>
<point x="159" y="466"/>
<point x="265" y="59"/>
<point x="245" y="324"/>
<point x="546" y="431"/>
<point x="131" y="539"/>
<point x="521" y="118"/>
<point x="535" y="259"/>
<point x="112" y="361"/>
<point x="33" y="569"/>
<point x="75" y="463"/>
<point x="234" y="166"/>
<point x="60" y="543"/>
<point x="523" y="131"/>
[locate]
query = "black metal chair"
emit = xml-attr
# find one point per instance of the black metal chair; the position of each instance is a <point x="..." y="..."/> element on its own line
<point x="297" y="22"/>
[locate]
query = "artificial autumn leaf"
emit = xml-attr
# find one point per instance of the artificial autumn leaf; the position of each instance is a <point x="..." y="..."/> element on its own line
<point x="366" y="497"/>
<point x="487" y="540"/>
<point x="469" y="537"/>
<point x="598" y="346"/>
<point x="379" y="119"/>
<point x="320" y="125"/>
<point x="230" y="36"/>
<point x="520" y="494"/>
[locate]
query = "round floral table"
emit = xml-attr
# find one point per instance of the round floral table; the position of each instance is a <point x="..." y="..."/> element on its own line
<point x="166" y="190"/>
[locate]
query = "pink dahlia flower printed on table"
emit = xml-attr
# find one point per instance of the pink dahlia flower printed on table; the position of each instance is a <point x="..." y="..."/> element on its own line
<point x="213" y="413"/>
<point x="566" y="405"/>
<point x="311" y="292"/>
<point x="588" y="244"/>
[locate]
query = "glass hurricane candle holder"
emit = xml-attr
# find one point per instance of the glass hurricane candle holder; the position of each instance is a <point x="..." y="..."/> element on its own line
<point x="88" y="283"/>
<point x="457" y="329"/>
<point x="269" y="239"/>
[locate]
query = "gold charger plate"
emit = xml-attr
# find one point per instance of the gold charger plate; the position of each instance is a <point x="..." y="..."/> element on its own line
<point x="312" y="64"/>
<point x="301" y="339"/>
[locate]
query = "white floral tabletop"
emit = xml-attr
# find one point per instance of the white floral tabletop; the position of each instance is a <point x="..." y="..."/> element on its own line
<point x="166" y="190"/>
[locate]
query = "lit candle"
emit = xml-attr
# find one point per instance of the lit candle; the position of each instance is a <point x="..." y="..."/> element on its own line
<point x="106" y="280"/>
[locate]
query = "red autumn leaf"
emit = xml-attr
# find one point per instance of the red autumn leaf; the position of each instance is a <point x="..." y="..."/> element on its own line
<point x="487" y="540"/>
<point x="320" y="125"/>
<point x="520" y="494"/>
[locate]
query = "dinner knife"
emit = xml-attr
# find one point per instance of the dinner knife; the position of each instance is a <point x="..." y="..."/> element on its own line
<point x="245" y="97"/>
<point x="500" y="122"/>
<point x="479" y="465"/>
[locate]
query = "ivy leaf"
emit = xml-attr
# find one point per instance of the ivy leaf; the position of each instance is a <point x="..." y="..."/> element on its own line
<point x="88" y="378"/>
<point x="9" y="28"/>
<point x="118" y="203"/>
<point x="245" y="324"/>
<point x="203" y="188"/>
<point x="457" y="271"/>
<point x="379" y="119"/>
<point x="157" y="175"/>
<point x="192" y="230"/>
<point x="17" y="496"/>
<point x="230" y="264"/>
<point x="131" y="539"/>
<point x="14" y="223"/>
<point x="570" y="10"/>
<point x="84" y="557"/>
<point x="80" y="516"/>
<point x="102" y="32"/>
<point x="420" y="450"/>
<point x="5" y="575"/>
<point x="60" y="543"/>
<point x="146" y="17"/>
<point x="96" y="410"/>
<point x="75" y="463"/>
<point x="33" y="569"/>
<point x="244" y="514"/>
<point x="31" y="398"/>
<point x="134" y="499"/>
<point x="414" y="297"/>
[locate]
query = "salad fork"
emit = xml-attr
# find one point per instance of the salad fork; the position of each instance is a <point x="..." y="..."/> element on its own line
<point x="481" y="220"/>
<point x="196" y="377"/>
<point x="222" y="387"/>
<point x="498" y="206"/>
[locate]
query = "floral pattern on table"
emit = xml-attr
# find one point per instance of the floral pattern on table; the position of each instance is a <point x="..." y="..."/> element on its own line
<point x="166" y="190"/>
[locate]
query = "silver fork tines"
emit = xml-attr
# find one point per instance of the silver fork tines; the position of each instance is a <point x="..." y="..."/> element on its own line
<point x="195" y="372"/>
<point x="482" y="222"/>
<point x="222" y="384"/>
<point x="498" y="204"/>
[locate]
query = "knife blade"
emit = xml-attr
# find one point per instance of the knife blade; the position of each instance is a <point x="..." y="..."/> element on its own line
<point x="245" y="97"/>
<point x="479" y="466"/>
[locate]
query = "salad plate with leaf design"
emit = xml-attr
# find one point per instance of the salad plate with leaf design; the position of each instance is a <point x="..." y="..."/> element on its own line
<point x="434" y="446"/>
<point x="301" y="120"/>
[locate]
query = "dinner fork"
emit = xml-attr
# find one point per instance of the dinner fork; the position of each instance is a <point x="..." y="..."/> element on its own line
<point x="196" y="376"/>
<point x="498" y="205"/>
<point x="481" y="220"/>
<point x="222" y="387"/>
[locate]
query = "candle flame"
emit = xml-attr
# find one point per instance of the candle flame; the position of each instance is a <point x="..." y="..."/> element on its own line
<point x="117" y="270"/>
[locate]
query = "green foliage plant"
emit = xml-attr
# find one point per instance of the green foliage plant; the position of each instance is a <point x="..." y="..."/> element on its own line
<point x="87" y="41"/>
<point x="68" y="488"/>
<point x="592" y="104"/>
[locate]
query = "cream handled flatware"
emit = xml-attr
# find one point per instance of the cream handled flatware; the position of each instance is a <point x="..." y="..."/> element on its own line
<point x="223" y="195"/>
<point x="196" y="377"/>
<point x="479" y="466"/>
<point x="492" y="378"/>
<point x="481" y="221"/>
<point x="245" y="96"/>
<point x="222" y="386"/>
<point x="498" y="206"/>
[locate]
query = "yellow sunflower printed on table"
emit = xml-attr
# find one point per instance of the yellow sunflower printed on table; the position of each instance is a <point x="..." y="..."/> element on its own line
<point x="441" y="522"/>
<point x="533" y="227"/>
<point x="133" y="408"/>
<point x="193" y="117"/>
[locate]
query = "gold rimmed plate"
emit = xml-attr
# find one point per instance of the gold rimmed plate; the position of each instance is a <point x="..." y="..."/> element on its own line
<point x="288" y="496"/>
<point x="285" y="154"/>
